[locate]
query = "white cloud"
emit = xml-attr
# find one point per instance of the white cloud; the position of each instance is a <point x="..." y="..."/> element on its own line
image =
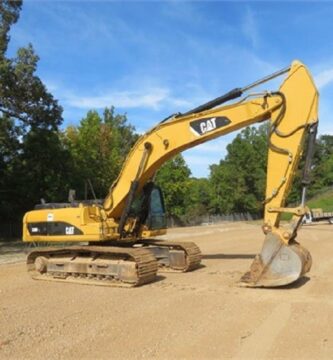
<point x="120" y="99"/>
<point x="140" y="131"/>
<point x="324" y="78"/>
<point x="50" y="85"/>
<point x="325" y="115"/>
<point x="152" y="98"/>
<point x="249" y="27"/>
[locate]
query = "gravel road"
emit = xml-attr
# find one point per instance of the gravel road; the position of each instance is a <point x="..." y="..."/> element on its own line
<point x="197" y="315"/>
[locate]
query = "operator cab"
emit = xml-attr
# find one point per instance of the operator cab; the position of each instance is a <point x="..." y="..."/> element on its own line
<point x="156" y="218"/>
<point x="149" y="207"/>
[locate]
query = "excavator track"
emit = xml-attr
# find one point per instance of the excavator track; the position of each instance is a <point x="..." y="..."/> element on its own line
<point x="174" y="256"/>
<point x="94" y="265"/>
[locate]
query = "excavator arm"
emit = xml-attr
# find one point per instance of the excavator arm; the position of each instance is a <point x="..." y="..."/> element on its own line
<point x="292" y="111"/>
<point x="180" y="133"/>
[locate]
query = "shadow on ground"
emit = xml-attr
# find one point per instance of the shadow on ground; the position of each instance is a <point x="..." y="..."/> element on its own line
<point x="228" y="256"/>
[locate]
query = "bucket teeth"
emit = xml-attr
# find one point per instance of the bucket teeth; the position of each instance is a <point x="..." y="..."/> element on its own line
<point x="278" y="264"/>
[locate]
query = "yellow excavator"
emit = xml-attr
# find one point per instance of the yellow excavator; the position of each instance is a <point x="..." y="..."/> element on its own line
<point x="119" y="235"/>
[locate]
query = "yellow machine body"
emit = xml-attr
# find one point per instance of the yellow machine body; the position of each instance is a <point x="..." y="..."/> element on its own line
<point x="292" y="110"/>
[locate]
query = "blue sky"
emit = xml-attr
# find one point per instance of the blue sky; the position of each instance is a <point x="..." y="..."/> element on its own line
<point x="151" y="59"/>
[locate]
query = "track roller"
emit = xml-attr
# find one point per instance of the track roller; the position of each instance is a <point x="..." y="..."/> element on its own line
<point x="174" y="256"/>
<point x="95" y="265"/>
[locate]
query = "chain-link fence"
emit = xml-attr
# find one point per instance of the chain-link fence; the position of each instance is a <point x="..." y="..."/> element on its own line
<point x="11" y="230"/>
<point x="14" y="230"/>
<point x="212" y="219"/>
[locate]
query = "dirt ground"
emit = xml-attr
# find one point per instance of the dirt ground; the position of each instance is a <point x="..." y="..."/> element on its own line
<point x="197" y="315"/>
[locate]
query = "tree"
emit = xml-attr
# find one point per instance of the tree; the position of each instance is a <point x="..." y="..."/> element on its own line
<point x="238" y="181"/>
<point x="98" y="148"/>
<point x="10" y="11"/>
<point x="322" y="174"/>
<point x="9" y="147"/>
<point x="31" y="157"/>
<point x="23" y="96"/>
<point x="197" y="199"/>
<point x="174" y="178"/>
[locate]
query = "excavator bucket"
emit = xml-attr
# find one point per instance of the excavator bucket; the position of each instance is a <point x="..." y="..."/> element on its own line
<point x="278" y="264"/>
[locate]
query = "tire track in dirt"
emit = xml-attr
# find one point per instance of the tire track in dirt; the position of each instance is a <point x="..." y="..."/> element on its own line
<point x="197" y="315"/>
<point x="259" y="343"/>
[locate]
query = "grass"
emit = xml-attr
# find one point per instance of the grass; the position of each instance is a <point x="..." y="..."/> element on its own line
<point x="323" y="201"/>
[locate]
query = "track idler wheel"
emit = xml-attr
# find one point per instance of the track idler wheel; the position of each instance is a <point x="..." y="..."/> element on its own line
<point x="278" y="264"/>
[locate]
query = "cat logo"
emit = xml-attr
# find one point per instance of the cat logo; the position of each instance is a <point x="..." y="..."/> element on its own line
<point x="202" y="126"/>
<point x="208" y="125"/>
<point x="69" y="230"/>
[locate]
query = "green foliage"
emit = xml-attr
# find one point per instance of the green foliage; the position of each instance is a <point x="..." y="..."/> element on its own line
<point x="9" y="14"/>
<point x="31" y="157"/>
<point x="197" y="201"/>
<point x="321" y="174"/>
<point x="323" y="200"/>
<point x="38" y="160"/>
<point x="98" y="147"/>
<point x="238" y="182"/>
<point x="9" y="147"/>
<point x="174" y="179"/>
<point x="323" y="164"/>
<point x="23" y="96"/>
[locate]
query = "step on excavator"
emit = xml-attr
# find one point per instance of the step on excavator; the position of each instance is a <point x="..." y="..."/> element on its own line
<point x="120" y="233"/>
